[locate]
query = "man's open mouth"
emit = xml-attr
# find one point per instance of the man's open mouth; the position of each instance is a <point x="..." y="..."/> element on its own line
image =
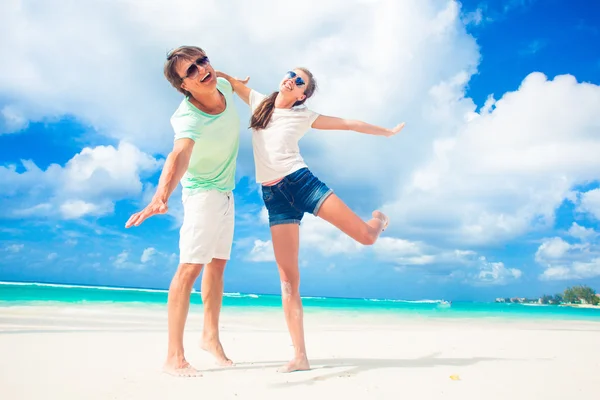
<point x="206" y="77"/>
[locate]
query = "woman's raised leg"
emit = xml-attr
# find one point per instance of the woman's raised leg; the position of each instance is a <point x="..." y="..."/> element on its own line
<point x="335" y="211"/>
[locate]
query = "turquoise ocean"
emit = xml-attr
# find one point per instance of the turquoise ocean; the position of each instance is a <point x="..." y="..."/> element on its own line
<point x="23" y="294"/>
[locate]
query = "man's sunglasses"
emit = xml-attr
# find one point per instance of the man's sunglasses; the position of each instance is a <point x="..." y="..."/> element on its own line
<point x="192" y="71"/>
<point x="299" y="81"/>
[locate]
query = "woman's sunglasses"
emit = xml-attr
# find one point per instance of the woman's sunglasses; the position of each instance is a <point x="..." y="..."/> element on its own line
<point x="299" y="81"/>
<point x="192" y="71"/>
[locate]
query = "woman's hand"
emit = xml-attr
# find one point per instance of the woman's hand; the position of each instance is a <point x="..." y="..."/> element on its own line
<point x="396" y="129"/>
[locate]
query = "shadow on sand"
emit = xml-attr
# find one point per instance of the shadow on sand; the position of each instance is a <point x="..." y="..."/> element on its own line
<point x="347" y="367"/>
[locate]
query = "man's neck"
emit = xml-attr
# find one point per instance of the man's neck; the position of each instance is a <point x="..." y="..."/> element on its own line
<point x="210" y="103"/>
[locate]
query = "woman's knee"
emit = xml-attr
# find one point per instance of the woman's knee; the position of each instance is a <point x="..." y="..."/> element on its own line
<point x="366" y="237"/>
<point x="290" y="283"/>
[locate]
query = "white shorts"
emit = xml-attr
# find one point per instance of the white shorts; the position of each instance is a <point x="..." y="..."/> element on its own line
<point x="207" y="229"/>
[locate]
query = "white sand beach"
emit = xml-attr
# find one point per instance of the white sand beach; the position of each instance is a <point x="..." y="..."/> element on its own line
<point x="100" y="352"/>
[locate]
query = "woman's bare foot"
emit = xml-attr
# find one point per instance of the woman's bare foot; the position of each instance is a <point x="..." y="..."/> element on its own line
<point x="382" y="217"/>
<point x="214" y="347"/>
<point x="181" y="369"/>
<point x="297" y="364"/>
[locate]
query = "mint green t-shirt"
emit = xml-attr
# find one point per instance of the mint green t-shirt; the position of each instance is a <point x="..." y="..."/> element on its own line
<point x="216" y="143"/>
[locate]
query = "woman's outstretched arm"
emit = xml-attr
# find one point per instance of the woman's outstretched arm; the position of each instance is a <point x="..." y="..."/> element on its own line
<point x="340" y="124"/>
<point x="238" y="85"/>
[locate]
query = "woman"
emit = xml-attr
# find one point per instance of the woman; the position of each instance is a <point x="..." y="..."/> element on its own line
<point x="289" y="189"/>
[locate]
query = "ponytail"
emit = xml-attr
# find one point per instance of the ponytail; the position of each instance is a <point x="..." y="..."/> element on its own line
<point x="262" y="115"/>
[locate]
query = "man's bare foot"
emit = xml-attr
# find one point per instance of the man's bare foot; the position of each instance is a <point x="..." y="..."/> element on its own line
<point x="215" y="348"/>
<point x="382" y="217"/>
<point x="297" y="364"/>
<point x="183" y="369"/>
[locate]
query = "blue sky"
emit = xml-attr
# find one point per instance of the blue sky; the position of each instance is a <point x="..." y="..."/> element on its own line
<point x="492" y="188"/>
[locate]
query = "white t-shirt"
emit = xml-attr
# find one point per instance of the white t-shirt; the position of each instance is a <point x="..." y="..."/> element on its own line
<point x="276" y="151"/>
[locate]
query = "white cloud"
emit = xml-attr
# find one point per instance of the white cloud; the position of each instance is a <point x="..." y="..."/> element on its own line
<point x="481" y="272"/>
<point x="473" y="17"/>
<point x="459" y="265"/>
<point x="507" y="168"/>
<point x="402" y="252"/>
<point x="576" y="270"/>
<point x="581" y="232"/>
<point x="11" y="120"/>
<point x="122" y="258"/>
<point x="88" y="184"/>
<point x="577" y="259"/>
<point x="15" y="248"/>
<point x="496" y="273"/>
<point x="73" y="209"/>
<point x="552" y="249"/>
<point x="318" y="234"/>
<point x="52" y="256"/>
<point x="71" y="59"/>
<point x="262" y="251"/>
<point x="148" y="254"/>
<point x="589" y="202"/>
<point x="264" y="216"/>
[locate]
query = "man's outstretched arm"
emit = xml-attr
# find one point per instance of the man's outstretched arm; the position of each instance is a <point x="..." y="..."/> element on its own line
<point x="175" y="166"/>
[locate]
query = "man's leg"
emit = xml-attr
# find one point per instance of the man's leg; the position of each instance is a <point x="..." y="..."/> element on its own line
<point x="178" y="306"/>
<point x="212" y="283"/>
<point x="212" y="298"/>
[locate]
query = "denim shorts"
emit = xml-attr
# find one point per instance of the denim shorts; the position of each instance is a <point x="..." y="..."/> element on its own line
<point x="296" y="194"/>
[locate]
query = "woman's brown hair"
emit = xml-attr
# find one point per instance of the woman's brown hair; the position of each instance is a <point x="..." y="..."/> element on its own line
<point x="262" y="115"/>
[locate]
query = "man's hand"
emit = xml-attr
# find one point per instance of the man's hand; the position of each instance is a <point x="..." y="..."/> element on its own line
<point x="175" y="167"/>
<point x="156" y="206"/>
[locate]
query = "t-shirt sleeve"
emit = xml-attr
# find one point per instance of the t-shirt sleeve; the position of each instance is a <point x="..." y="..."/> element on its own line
<point x="312" y="116"/>
<point x="185" y="126"/>
<point x="224" y="85"/>
<point x="255" y="99"/>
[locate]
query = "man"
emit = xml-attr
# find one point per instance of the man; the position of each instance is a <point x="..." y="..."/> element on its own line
<point x="203" y="158"/>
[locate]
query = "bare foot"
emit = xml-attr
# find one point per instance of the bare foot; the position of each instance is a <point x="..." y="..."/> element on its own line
<point x="215" y="348"/>
<point x="183" y="369"/>
<point x="297" y="364"/>
<point x="382" y="217"/>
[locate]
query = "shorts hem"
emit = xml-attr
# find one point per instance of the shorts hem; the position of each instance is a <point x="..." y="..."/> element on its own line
<point x="222" y="257"/>
<point x="193" y="261"/>
<point x="321" y="201"/>
<point x="285" y="221"/>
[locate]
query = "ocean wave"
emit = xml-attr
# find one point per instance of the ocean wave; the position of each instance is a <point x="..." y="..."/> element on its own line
<point x="65" y="286"/>
<point x="239" y="295"/>
<point x="426" y="301"/>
